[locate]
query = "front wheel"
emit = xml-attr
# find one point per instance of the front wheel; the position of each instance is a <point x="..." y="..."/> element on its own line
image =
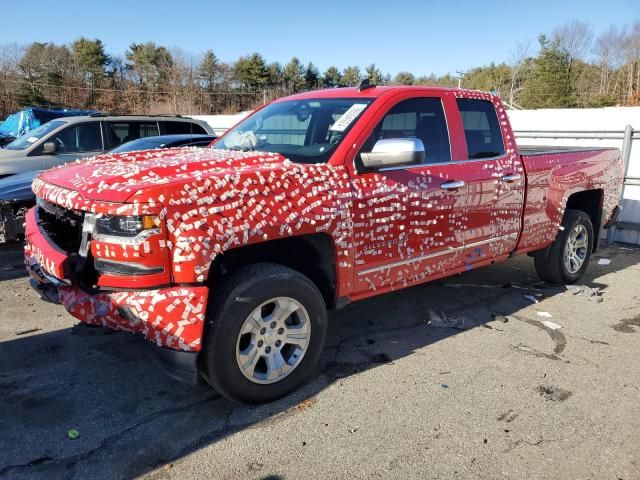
<point x="265" y="333"/>
<point x="568" y="256"/>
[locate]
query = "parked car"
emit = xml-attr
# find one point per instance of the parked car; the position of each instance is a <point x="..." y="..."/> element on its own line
<point x="165" y="141"/>
<point x="27" y="119"/>
<point x="65" y="139"/>
<point x="16" y="196"/>
<point x="227" y="259"/>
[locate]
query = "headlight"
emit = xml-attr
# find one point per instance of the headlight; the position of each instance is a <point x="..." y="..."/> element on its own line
<point x="125" y="226"/>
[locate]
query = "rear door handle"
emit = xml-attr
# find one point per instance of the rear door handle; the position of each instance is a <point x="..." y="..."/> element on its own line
<point x="453" y="185"/>
<point x="512" y="178"/>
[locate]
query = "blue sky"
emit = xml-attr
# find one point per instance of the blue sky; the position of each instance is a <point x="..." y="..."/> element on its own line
<point x="422" y="37"/>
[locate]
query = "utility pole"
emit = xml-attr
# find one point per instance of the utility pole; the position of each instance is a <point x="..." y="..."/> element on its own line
<point x="461" y="75"/>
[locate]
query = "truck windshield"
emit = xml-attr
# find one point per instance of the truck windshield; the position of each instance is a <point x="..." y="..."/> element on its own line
<point x="304" y="131"/>
<point x="25" y="141"/>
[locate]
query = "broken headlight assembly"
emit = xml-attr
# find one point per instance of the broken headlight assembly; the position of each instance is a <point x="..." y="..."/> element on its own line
<point x="123" y="230"/>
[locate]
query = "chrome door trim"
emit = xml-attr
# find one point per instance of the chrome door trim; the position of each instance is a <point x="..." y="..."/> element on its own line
<point x="512" y="178"/>
<point x="452" y="185"/>
<point x="453" y="162"/>
<point x="435" y="254"/>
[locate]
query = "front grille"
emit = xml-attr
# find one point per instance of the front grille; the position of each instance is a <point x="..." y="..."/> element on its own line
<point x="63" y="226"/>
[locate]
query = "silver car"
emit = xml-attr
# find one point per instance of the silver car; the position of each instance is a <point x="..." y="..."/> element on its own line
<point x="65" y="139"/>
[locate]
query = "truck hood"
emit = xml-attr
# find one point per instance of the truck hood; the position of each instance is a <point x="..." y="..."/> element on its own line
<point x="117" y="177"/>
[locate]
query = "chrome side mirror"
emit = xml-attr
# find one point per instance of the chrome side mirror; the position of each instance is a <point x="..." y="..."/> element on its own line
<point x="394" y="152"/>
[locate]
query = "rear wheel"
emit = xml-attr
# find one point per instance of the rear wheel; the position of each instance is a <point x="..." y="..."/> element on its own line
<point x="568" y="256"/>
<point x="265" y="333"/>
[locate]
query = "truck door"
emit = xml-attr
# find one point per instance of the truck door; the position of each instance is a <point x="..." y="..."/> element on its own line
<point x="407" y="221"/>
<point x="493" y="178"/>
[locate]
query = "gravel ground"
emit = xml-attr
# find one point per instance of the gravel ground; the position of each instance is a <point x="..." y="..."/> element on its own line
<point x="423" y="383"/>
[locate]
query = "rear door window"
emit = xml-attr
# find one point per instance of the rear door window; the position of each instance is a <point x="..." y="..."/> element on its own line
<point x="177" y="128"/>
<point x="122" y="131"/>
<point x="481" y="128"/>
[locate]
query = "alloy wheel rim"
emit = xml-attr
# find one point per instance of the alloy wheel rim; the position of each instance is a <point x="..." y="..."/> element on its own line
<point x="273" y="340"/>
<point x="576" y="248"/>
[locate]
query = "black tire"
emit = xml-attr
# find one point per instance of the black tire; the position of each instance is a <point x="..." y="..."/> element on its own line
<point x="230" y="305"/>
<point x="551" y="267"/>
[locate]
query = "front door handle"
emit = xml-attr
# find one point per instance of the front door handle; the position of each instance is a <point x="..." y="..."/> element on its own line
<point x="453" y="185"/>
<point x="512" y="178"/>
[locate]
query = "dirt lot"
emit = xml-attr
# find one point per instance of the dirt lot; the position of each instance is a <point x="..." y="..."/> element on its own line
<point x="395" y="396"/>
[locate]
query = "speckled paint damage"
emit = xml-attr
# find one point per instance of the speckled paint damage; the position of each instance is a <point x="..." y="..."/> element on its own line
<point x="389" y="229"/>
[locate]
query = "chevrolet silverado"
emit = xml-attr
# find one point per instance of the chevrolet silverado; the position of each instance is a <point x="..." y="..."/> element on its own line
<point x="227" y="258"/>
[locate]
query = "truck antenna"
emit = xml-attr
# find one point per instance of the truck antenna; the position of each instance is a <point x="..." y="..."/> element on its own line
<point x="365" y="85"/>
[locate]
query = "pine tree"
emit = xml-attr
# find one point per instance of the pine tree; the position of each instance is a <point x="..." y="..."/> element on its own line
<point x="294" y="75"/>
<point x="374" y="75"/>
<point x="332" y="77"/>
<point x="351" y="76"/>
<point x="251" y="72"/>
<point x="311" y="77"/>
<point x="404" y="78"/>
<point x="208" y="70"/>
<point x="550" y="84"/>
<point x="92" y="60"/>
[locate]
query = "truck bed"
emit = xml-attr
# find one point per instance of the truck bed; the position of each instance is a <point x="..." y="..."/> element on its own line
<point x="531" y="150"/>
<point x="555" y="173"/>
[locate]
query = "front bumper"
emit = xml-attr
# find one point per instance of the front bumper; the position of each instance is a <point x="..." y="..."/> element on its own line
<point x="171" y="318"/>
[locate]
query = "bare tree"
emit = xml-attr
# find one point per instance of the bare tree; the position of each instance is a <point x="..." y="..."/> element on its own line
<point x="608" y="50"/>
<point x="632" y="59"/>
<point x="519" y="67"/>
<point x="10" y="56"/>
<point x="575" y="38"/>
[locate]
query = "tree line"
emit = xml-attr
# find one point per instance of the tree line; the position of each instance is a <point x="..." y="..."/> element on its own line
<point x="570" y="68"/>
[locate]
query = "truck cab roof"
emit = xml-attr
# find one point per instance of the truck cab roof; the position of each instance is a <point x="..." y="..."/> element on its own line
<point x="371" y="92"/>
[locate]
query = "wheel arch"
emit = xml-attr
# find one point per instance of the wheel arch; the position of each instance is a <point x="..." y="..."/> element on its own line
<point x="313" y="255"/>
<point x="590" y="202"/>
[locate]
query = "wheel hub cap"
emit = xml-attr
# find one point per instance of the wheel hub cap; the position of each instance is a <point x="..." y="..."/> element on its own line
<point x="273" y="340"/>
<point x="576" y="248"/>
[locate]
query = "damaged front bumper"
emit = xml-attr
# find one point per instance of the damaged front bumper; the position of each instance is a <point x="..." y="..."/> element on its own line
<point x="171" y="318"/>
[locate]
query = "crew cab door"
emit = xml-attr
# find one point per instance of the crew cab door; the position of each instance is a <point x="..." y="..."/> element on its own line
<point x="406" y="226"/>
<point x="493" y="178"/>
<point x="461" y="206"/>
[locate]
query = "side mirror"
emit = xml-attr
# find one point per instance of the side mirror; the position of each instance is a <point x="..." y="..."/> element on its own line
<point x="49" y="148"/>
<point x="394" y="152"/>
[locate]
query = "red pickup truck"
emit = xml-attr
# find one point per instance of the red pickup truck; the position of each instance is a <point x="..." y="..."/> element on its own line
<point x="228" y="258"/>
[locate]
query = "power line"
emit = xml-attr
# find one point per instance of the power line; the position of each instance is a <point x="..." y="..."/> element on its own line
<point x="158" y="92"/>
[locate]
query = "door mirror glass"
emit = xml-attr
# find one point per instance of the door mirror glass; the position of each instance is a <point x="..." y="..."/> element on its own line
<point x="49" y="148"/>
<point x="394" y="152"/>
